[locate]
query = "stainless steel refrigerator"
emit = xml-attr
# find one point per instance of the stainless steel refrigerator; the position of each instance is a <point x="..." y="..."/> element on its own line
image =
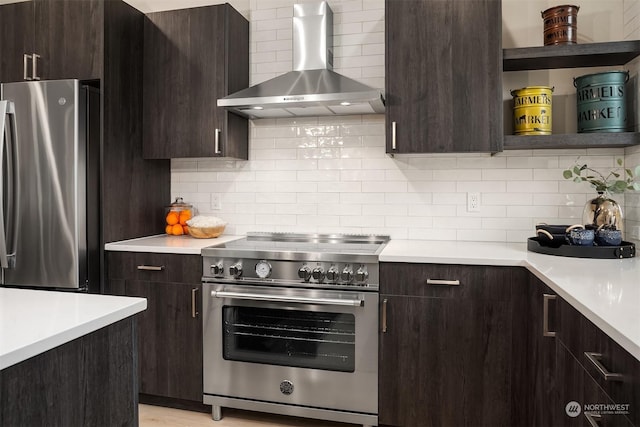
<point x="50" y="172"/>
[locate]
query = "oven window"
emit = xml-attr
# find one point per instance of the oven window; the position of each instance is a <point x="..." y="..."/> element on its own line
<point x="304" y="339"/>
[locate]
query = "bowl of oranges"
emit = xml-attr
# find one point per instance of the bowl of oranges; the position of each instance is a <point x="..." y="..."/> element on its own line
<point x="177" y="216"/>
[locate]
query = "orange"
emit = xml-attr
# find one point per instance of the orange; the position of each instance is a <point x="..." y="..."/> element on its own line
<point x="172" y="218"/>
<point x="185" y="228"/>
<point x="184" y="216"/>
<point x="177" y="229"/>
<point x="168" y="229"/>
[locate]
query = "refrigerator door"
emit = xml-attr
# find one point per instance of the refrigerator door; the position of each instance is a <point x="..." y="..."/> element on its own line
<point x="50" y="233"/>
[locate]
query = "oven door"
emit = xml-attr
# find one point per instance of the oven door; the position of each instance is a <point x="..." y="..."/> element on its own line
<point x="306" y="347"/>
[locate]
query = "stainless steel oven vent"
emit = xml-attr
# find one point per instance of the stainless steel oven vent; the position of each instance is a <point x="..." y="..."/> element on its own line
<point x="312" y="88"/>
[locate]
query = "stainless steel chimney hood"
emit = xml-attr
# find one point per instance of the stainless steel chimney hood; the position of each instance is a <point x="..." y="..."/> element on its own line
<point x="313" y="88"/>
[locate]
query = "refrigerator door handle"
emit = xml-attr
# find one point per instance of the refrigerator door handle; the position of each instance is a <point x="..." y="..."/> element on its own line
<point x="6" y="108"/>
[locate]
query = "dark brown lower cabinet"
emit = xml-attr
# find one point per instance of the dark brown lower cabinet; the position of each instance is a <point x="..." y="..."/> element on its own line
<point x="534" y="396"/>
<point x="494" y="346"/>
<point x="446" y="353"/>
<point x="610" y="374"/>
<point x="170" y="330"/>
<point x="89" y="381"/>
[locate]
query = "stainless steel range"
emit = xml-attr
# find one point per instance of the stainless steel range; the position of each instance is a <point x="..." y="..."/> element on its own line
<point x="291" y="325"/>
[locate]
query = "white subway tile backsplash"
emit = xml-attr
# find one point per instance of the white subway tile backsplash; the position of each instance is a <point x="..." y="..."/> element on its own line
<point x="332" y="175"/>
<point x="362" y="221"/>
<point x="339" y="187"/>
<point x="532" y="186"/>
<point x="478" y="235"/>
<point x="532" y="211"/>
<point x="513" y="199"/>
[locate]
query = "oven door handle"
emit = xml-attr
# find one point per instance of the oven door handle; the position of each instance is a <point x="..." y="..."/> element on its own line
<point x="285" y="298"/>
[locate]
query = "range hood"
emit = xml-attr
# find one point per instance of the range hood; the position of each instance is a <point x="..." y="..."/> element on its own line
<point x="313" y="88"/>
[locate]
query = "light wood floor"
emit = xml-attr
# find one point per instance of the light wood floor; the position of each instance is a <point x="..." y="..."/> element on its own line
<point x="158" y="416"/>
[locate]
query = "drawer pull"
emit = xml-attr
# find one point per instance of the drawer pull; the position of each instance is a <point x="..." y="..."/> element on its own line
<point x="593" y="419"/>
<point x="595" y="358"/>
<point x="545" y="315"/>
<point x="443" y="282"/>
<point x="151" y="267"/>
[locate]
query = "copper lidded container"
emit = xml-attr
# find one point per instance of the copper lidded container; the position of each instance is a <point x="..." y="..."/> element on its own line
<point x="560" y="24"/>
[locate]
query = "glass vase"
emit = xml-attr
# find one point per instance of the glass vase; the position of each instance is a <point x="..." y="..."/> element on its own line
<point x="603" y="211"/>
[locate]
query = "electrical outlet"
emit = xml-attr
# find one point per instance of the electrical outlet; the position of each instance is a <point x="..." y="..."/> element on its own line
<point x="473" y="202"/>
<point x="216" y="204"/>
<point x="635" y="232"/>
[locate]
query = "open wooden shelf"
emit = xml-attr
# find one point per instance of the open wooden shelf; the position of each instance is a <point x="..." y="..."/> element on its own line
<point x="570" y="56"/>
<point x="572" y="140"/>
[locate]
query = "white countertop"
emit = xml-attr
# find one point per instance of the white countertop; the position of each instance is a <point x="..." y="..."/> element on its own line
<point x="163" y="243"/>
<point x="33" y="321"/>
<point x="607" y="292"/>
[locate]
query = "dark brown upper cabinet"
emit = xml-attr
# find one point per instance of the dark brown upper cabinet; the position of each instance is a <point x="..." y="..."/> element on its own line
<point x="101" y="41"/>
<point x="443" y="76"/>
<point x="46" y="40"/>
<point x="192" y="57"/>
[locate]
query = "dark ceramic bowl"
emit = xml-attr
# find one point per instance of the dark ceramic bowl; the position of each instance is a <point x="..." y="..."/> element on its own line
<point x="552" y="229"/>
<point x="608" y="237"/>
<point x="579" y="236"/>
<point x="552" y="240"/>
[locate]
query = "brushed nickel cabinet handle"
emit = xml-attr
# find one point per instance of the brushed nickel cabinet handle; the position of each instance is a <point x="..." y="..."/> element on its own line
<point x="216" y="142"/>
<point x="595" y="359"/>
<point x="393" y="136"/>
<point x="151" y="267"/>
<point x="545" y="315"/>
<point x="384" y="315"/>
<point x="25" y="65"/>
<point x="443" y="282"/>
<point x="593" y="419"/>
<point x="34" y="67"/>
<point x="194" y="311"/>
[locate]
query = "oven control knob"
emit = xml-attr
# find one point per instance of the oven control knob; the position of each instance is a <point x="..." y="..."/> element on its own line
<point x="347" y="274"/>
<point x="318" y="274"/>
<point x="304" y="273"/>
<point x="332" y="274"/>
<point x="362" y="275"/>
<point x="236" y="270"/>
<point x="217" y="269"/>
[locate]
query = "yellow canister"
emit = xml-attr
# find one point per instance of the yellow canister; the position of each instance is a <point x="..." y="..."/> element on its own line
<point x="532" y="110"/>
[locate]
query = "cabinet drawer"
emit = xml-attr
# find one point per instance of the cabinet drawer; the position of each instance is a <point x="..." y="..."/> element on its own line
<point x="605" y="356"/>
<point x="450" y="280"/>
<point x="154" y="267"/>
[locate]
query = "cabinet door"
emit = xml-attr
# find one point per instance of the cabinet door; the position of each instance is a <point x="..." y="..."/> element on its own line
<point x="170" y="339"/>
<point x="187" y="67"/>
<point x="443" y="76"/>
<point x="445" y="358"/>
<point x="16" y="40"/>
<point x="534" y="383"/>
<point x="580" y="336"/>
<point x="170" y="330"/>
<point x="68" y="38"/>
<point x="577" y="387"/>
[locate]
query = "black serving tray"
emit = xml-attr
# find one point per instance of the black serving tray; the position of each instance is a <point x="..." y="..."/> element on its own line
<point x="625" y="250"/>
